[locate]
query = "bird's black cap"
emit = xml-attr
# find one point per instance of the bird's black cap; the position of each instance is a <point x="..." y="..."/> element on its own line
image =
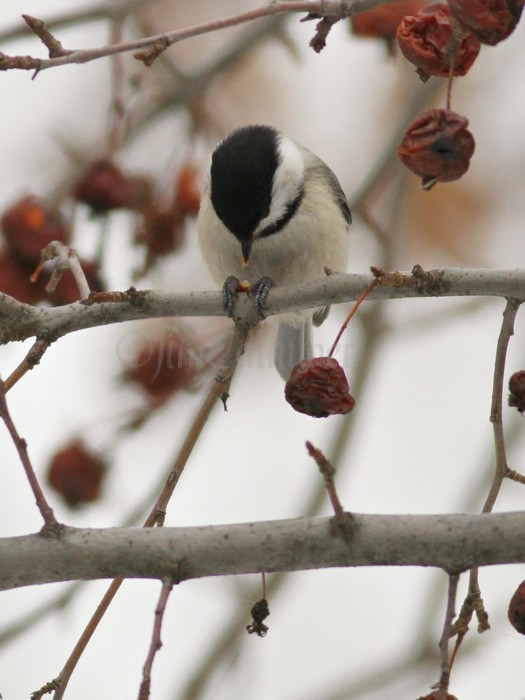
<point x="241" y="177"/>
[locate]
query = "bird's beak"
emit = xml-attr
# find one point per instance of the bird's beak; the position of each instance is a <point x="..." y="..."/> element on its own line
<point x="246" y="247"/>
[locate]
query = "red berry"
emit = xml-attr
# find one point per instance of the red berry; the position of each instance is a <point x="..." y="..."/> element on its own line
<point x="435" y="696"/>
<point x="76" y="473"/>
<point x="104" y="186"/>
<point x="30" y="225"/>
<point x="516" y="612"/>
<point x="436" y="43"/>
<point x="437" y="146"/>
<point x="161" y="230"/>
<point x="490" y="21"/>
<point x="517" y="390"/>
<point x="163" y="367"/>
<point x="319" y="388"/>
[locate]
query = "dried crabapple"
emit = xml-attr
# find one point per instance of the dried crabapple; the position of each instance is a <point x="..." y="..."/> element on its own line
<point x="318" y="387"/>
<point x="29" y="225"/>
<point x="437" y="146"/>
<point x="436" y="43"/>
<point x="76" y="473"/>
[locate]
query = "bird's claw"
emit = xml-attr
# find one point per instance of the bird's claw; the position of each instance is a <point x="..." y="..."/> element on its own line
<point x="260" y="291"/>
<point x="230" y="292"/>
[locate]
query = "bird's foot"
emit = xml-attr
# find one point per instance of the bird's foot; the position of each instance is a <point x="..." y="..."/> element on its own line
<point x="259" y="292"/>
<point x="230" y="292"/>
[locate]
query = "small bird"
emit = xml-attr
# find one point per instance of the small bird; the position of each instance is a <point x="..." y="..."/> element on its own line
<point x="272" y="212"/>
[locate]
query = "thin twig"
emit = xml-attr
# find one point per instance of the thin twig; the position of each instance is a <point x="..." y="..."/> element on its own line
<point x="474" y="602"/>
<point x="445" y="636"/>
<point x="32" y="358"/>
<point x="50" y="522"/>
<point x="52" y="44"/>
<point x="65" y="258"/>
<point x="501" y="469"/>
<point x="156" y="642"/>
<point x="326" y="8"/>
<point x="351" y="314"/>
<point x="118" y="121"/>
<point x="328" y="472"/>
<point x="496" y="413"/>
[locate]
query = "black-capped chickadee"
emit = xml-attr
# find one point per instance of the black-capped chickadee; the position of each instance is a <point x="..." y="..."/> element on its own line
<point x="272" y="209"/>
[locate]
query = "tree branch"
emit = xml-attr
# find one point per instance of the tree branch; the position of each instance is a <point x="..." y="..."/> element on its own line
<point x="452" y="542"/>
<point x="21" y="321"/>
<point x="336" y="9"/>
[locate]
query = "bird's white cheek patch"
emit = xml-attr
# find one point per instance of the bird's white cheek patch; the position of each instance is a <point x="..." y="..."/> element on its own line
<point x="287" y="183"/>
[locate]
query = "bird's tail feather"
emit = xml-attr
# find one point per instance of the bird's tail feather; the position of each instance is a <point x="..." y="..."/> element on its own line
<point x="293" y="344"/>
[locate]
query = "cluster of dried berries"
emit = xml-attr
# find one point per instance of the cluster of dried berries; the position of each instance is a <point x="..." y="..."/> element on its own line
<point x="436" y="43"/>
<point x="162" y="224"/>
<point x="28" y="226"/>
<point x="443" y="37"/>
<point x="105" y="187"/>
<point x="319" y="388"/>
<point x="31" y="223"/>
<point x="76" y="473"/>
<point x="516" y="612"/>
<point x="444" y="40"/>
<point x="517" y="391"/>
<point x="437" y="146"/>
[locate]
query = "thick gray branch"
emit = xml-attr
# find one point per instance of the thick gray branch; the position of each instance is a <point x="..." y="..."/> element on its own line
<point x="21" y="321"/>
<point x="452" y="542"/>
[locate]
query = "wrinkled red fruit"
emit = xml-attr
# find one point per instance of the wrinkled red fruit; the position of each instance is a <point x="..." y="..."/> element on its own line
<point x="437" y="146"/>
<point x="104" y="186"/>
<point x="76" y="474"/>
<point x="14" y="279"/>
<point x="436" y="43"/>
<point x="490" y="21"/>
<point x="163" y="367"/>
<point x="319" y="388"/>
<point x="30" y="225"/>
<point x="516" y="612"/>
<point x="517" y="390"/>
<point x="382" y="22"/>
